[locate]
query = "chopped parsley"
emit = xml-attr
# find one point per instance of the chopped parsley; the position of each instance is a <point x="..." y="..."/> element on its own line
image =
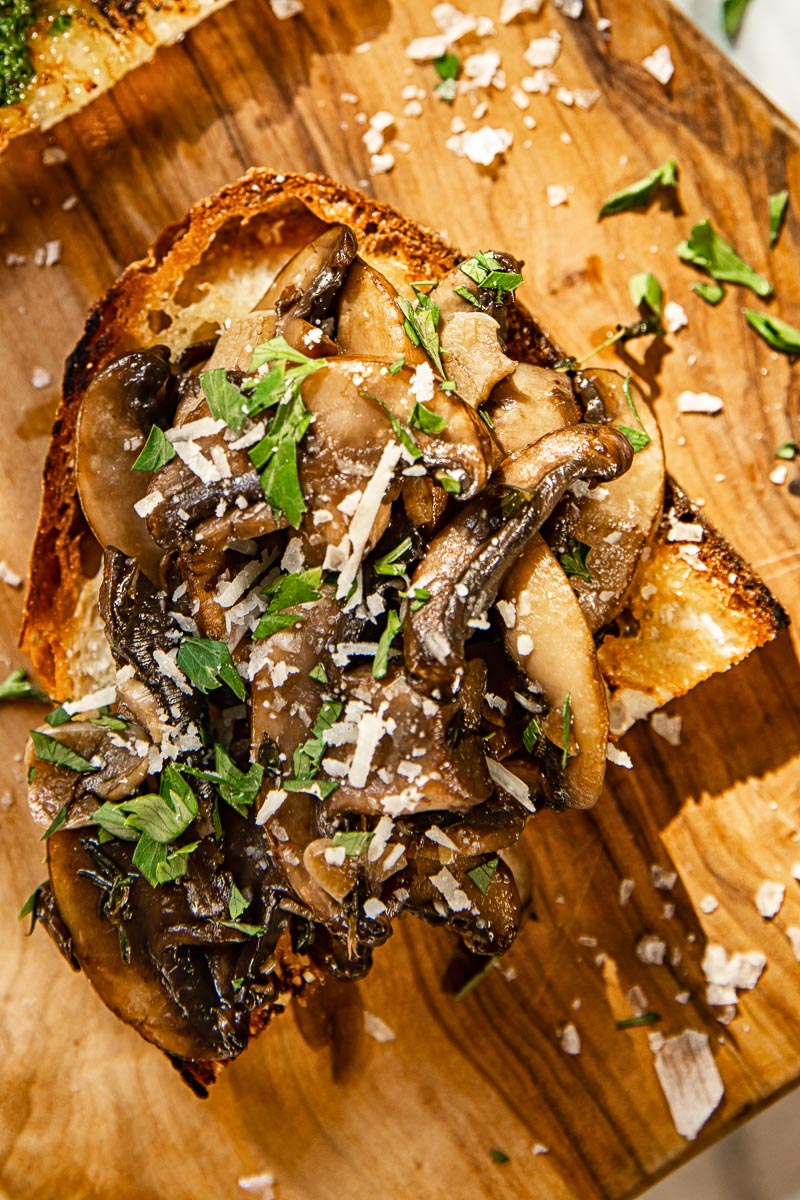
<point x="59" y="716"/>
<point x="60" y="24"/>
<point x="237" y="904"/>
<point x="158" y="863"/>
<point x="208" y="665"/>
<point x="166" y="815"/>
<point x="380" y="663"/>
<point x="732" y="16"/>
<point x="788" y="451"/>
<point x="475" y="979"/>
<point x="287" y="591"/>
<point x="573" y="560"/>
<point x="237" y="788"/>
<point x="419" y="597"/>
<point x="488" y="272"/>
<point x="499" y="1156"/>
<point x="307" y="758"/>
<point x="421" y="324"/>
<point x="646" y="1018"/>
<point x="155" y="453"/>
<point x="275" y="456"/>
<point x="355" y="842"/>
<point x="639" y="194"/>
<point x="426" y="421"/>
<point x="50" y="749"/>
<point x="467" y="295"/>
<point x="396" y="367"/>
<point x="390" y="564"/>
<point x="778" y="334"/>
<point x="483" y="874"/>
<point x="449" y="484"/>
<point x="448" y="67"/>
<point x="318" y="674"/>
<point x="712" y="293"/>
<point x="57" y="822"/>
<point x="778" y="203"/>
<point x="638" y="438"/>
<point x="224" y="399"/>
<point x="645" y="289"/>
<point x="16" y="686"/>
<point x="531" y="735"/>
<point x="704" y="248"/>
<point x="566" y="727"/>
<point x="29" y="907"/>
<point x="405" y="439"/>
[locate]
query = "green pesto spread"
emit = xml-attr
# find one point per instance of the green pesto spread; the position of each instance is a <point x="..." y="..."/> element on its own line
<point x="16" y="68"/>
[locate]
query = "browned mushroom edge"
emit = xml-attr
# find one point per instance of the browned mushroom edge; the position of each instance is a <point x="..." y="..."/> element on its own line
<point x="321" y="718"/>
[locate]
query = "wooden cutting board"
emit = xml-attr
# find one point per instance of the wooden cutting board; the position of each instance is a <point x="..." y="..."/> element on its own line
<point x="89" y="1110"/>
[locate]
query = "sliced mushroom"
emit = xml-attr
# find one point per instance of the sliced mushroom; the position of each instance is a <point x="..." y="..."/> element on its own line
<point x="123" y="767"/>
<point x="619" y="521"/>
<point x="466" y="563"/>
<point x="528" y="404"/>
<point x="551" y="642"/>
<point x="308" y="285"/>
<point x="120" y="405"/>
<point x="473" y="356"/>
<point x="369" y="320"/>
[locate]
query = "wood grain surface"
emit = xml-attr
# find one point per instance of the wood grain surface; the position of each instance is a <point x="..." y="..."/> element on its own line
<point x="86" y="1108"/>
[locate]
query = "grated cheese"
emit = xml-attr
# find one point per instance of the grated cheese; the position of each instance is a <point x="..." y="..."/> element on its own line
<point x="377" y="1029"/>
<point x="365" y="514"/>
<point x="690" y="1080"/>
<point x="446" y="883"/>
<point x="273" y="802"/>
<point x="92" y="701"/>
<point x="510" y="783"/>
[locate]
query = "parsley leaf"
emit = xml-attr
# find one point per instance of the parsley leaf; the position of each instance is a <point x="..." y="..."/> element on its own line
<point x="645" y="289"/>
<point x="112" y="819"/>
<point x="403" y="436"/>
<point x="165" y="816"/>
<point x="389" y="564"/>
<point x="499" y="1156"/>
<point x="705" y="248"/>
<point x="396" y="367"/>
<point x="158" y="863"/>
<point x="639" y="194"/>
<point x="531" y="735"/>
<point x="788" y="451"/>
<point x="712" y="293"/>
<point x="237" y="903"/>
<point x="447" y="67"/>
<point x="354" y="842"/>
<point x="380" y="663"/>
<point x="277" y="349"/>
<point x="224" y="399"/>
<point x="58" y="820"/>
<point x="483" y="874"/>
<point x="17" y="687"/>
<point x="318" y="674"/>
<point x="566" y="726"/>
<point x="778" y="204"/>
<point x="647" y="1018"/>
<point x="288" y="591"/>
<point x="638" y="438"/>
<point x="50" y="749"/>
<point x="426" y="421"/>
<point x="419" y="597"/>
<point x="421" y="324"/>
<point x="155" y="453"/>
<point x="307" y="757"/>
<point x="732" y="16"/>
<point x="449" y="484"/>
<point x="776" y="333"/>
<point x="237" y="788"/>
<point x="29" y="907"/>
<point x="59" y="716"/>
<point x="488" y="272"/>
<point x="573" y="560"/>
<point x="208" y="664"/>
<point x="475" y="979"/>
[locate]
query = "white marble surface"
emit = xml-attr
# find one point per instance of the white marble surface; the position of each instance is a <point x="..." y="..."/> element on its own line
<point x="762" y="1160"/>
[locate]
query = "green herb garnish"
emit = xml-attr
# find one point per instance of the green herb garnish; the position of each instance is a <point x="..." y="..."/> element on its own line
<point x="474" y="980"/>
<point x="705" y="248"/>
<point x="488" y="272"/>
<point x="16" y="66"/>
<point x="224" y="399"/>
<point x="483" y="874"/>
<point x="712" y="293"/>
<point x="105" y="721"/>
<point x="638" y="438"/>
<point x="158" y="863"/>
<point x="29" y="907"/>
<point x="531" y="735"/>
<point x="113" y="820"/>
<point x="307" y="757"/>
<point x="788" y="451"/>
<point x="318" y="674"/>
<point x="467" y="295"/>
<point x="390" y="564"/>
<point x="732" y="16"/>
<point x="237" y="904"/>
<point x="447" y="67"/>
<point x="647" y="1018"/>
<point x="155" y="453"/>
<point x="776" y="333"/>
<point x="778" y="203"/>
<point x="419" y="596"/>
<point x="50" y="749"/>
<point x="396" y="367"/>
<point x="573" y="560"/>
<point x="59" y="716"/>
<point x="237" y="788"/>
<point x="639" y="194"/>
<point x="57" y="822"/>
<point x="449" y="484"/>
<point x="566" y="727"/>
<point x="426" y="421"/>
<point x="17" y="687"/>
<point x="165" y="816"/>
<point x="355" y="842"/>
<point x="405" y="439"/>
<point x="380" y="663"/>
<point x="208" y="664"/>
<point x="421" y="324"/>
<point x="499" y="1156"/>
<point x="60" y="24"/>
<point x="645" y="289"/>
<point x="287" y="591"/>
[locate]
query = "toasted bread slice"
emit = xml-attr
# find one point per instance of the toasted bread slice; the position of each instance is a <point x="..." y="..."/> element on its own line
<point x="79" y="50"/>
<point x="212" y="267"/>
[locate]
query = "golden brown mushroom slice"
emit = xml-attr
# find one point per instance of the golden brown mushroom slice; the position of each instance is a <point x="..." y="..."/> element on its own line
<point x="528" y="404"/>
<point x="472" y="335"/>
<point x="120" y="405"/>
<point x="618" y="521"/>
<point x="369" y="320"/>
<point x="547" y="636"/>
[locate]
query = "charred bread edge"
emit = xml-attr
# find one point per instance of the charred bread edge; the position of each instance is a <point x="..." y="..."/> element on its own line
<point x="63" y="541"/>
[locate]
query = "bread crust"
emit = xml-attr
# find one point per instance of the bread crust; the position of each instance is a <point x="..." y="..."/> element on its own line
<point x="214" y="263"/>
